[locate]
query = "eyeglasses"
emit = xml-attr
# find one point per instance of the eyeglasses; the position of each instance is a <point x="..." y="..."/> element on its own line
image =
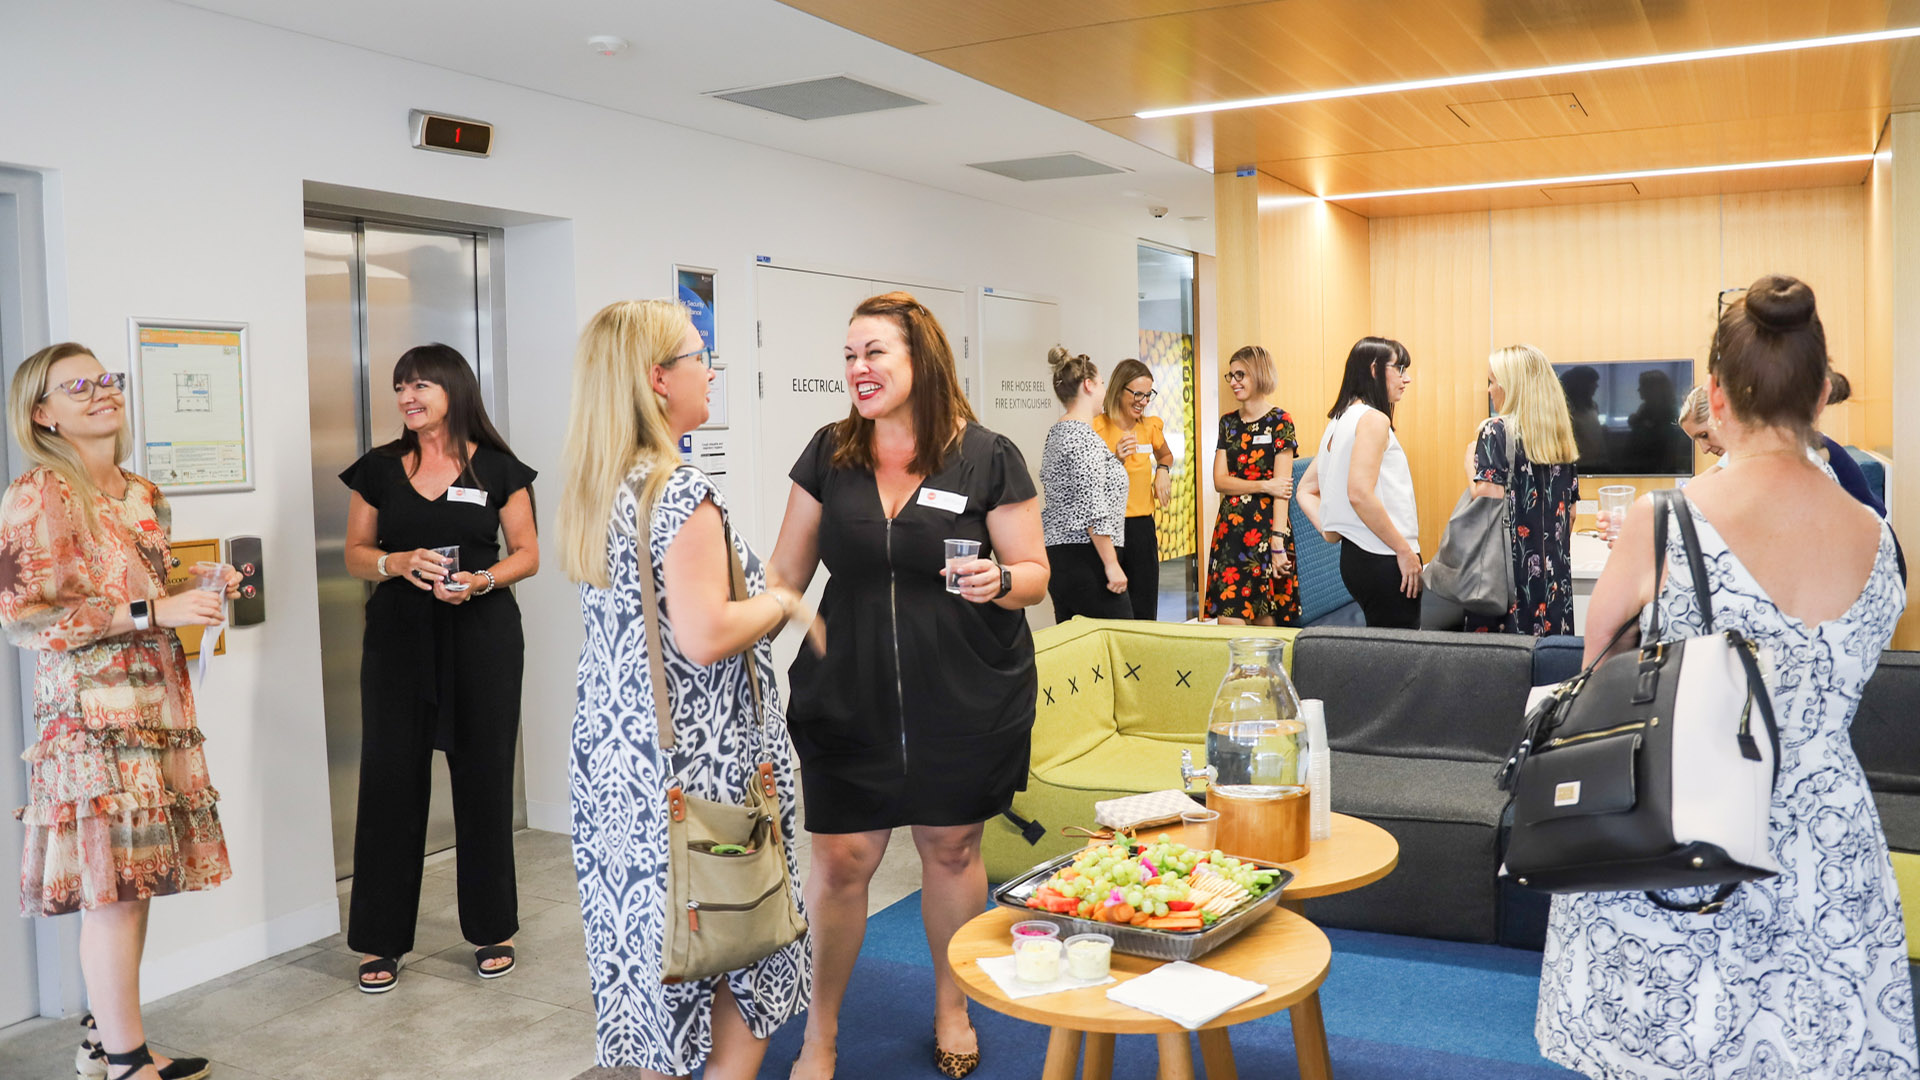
<point x="1147" y="397"/>
<point x="705" y="355"/>
<point x="1233" y="376"/>
<point x="84" y="389"/>
<point x="1402" y="366"/>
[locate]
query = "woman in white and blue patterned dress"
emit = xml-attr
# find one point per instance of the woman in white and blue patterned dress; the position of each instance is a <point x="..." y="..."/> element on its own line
<point x="640" y="382"/>
<point x="1804" y="974"/>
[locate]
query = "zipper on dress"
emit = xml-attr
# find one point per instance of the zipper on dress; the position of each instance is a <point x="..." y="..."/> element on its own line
<point x="893" y="609"/>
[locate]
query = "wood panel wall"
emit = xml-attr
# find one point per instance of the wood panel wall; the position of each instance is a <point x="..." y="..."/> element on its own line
<point x="1604" y="281"/>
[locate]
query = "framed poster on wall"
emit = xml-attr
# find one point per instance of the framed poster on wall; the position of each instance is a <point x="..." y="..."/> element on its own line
<point x="694" y="286"/>
<point x="192" y="423"/>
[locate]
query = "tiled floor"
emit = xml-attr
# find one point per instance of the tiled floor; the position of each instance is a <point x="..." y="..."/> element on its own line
<point x="298" y="1015"/>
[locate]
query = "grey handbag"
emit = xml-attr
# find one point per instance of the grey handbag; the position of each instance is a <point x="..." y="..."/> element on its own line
<point x="1474" y="566"/>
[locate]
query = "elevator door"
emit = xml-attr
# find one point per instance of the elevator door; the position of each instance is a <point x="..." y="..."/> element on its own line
<point x="373" y="292"/>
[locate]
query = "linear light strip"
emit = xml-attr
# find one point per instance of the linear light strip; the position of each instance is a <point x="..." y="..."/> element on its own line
<point x="1595" y="178"/>
<point x="1896" y="34"/>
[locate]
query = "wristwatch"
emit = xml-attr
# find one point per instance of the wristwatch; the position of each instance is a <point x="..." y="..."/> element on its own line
<point x="142" y="613"/>
<point x="1006" y="583"/>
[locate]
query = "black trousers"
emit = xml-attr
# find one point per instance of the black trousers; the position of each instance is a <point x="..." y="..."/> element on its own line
<point x="1141" y="560"/>
<point x="414" y="657"/>
<point x="1079" y="584"/>
<point x="1374" y="581"/>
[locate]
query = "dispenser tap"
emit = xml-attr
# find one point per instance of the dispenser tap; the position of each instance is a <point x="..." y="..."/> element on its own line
<point x="1188" y="774"/>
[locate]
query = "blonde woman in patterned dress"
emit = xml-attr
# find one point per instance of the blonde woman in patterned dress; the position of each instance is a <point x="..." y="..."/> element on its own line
<point x="119" y="808"/>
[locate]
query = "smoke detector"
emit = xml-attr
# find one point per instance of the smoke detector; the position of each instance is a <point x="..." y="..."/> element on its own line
<point x="607" y="44"/>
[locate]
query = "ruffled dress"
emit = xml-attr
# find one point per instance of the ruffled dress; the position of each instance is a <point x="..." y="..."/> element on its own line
<point x="119" y="805"/>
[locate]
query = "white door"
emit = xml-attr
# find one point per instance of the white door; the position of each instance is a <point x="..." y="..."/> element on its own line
<point x="802" y="334"/>
<point x="1016" y="397"/>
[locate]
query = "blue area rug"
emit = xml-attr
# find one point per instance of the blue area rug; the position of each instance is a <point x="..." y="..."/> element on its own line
<point x="1397" y="1008"/>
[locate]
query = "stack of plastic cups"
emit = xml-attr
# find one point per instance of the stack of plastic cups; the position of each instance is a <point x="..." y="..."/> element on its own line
<point x="1319" y="768"/>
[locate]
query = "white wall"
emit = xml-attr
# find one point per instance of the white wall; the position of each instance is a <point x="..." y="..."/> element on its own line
<point x="181" y="140"/>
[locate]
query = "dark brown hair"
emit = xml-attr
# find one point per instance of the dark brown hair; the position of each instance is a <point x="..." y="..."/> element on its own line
<point x="1839" y="388"/>
<point x="938" y="403"/>
<point x="1770" y="355"/>
<point x="1069" y="372"/>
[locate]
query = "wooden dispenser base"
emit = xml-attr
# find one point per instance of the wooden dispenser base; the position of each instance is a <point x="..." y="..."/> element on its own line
<point x="1275" y="829"/>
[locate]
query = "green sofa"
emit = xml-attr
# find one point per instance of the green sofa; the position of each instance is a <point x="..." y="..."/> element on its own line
<point x="1114" y="697"/>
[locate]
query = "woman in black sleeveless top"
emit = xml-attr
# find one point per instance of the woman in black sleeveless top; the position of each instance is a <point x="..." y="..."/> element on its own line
<point x="441" y="662"/>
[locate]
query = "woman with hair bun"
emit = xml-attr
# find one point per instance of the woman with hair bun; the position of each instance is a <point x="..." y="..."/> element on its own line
<point x="1086" y="490"/>
<point x="1803" y="974"/>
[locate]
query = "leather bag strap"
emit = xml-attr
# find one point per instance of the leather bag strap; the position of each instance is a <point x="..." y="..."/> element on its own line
<point x="650" y="613"/>
<point x="1696" y="560"/>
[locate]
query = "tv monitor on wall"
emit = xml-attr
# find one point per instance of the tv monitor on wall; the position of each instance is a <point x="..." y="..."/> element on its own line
<point x="1626" y="416"/>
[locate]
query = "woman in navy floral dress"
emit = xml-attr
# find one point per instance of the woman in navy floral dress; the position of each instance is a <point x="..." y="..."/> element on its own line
<point x="1526" y="453"/>
<point x="1251" y="577"/>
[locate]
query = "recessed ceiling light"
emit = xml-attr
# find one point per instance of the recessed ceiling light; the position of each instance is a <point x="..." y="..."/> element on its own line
<point x="1638" y="174"/>
<point x="1896" y="34"/>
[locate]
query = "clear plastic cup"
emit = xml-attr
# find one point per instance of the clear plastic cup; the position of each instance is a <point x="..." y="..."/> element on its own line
<point x="1033" y="928"/>
<point x="1037" y="960"/>
<point x="452" y="555"/>
<point x="1089" y="956"/>
<point x="209" y="577"/>
<point x="959" y="551"/>
<point x="1614" y="501"/>
<point x="1200" y="828"/>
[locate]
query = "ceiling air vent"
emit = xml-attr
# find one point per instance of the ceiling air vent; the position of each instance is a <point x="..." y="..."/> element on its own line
<point x="1047" y="167"/>
<point x="817" y="99"/>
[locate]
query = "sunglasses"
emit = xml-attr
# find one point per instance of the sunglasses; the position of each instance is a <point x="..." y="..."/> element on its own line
<point x="84" y="389"/>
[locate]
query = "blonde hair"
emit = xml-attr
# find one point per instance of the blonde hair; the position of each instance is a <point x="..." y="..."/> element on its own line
<point x="1259" y="367"/>
<point x="1124" y="374"/>
<point x="1070" y="372"/>
<point x="43" y="445"/>
<point x="616" y="422"/>
<point x="1694" y="407"/>
<point x="1536" y="405"/>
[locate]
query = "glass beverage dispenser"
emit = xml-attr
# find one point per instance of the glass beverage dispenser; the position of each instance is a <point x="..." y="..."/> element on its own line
<point x="1257" y="756"/>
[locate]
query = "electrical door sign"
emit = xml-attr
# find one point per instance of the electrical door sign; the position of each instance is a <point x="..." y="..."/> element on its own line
<point x="450" y="134"/>
<point x="193" y="428"/>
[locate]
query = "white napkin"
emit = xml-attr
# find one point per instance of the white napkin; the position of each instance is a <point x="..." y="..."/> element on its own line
<point x="1000" y="970"/>
<point x="1319" y="768"/>
<point x="1187" y="994"/>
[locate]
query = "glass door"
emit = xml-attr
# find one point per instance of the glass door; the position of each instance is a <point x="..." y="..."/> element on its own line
<point x="1166" y="347"/>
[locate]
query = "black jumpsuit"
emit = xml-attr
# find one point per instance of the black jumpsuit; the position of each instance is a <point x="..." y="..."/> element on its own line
<point x="436" y="676"/>
<point x="921" y="712"/>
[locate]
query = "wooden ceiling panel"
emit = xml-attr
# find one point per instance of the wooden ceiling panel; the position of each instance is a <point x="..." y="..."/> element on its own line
<point x="1670" y="187"/>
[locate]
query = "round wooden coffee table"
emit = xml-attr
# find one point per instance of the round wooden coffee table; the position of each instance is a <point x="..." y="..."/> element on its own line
<point x="1283" y="950"/>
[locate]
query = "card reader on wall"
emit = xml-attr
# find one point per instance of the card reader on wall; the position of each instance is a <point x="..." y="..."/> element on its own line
<point x="243" y="554"/>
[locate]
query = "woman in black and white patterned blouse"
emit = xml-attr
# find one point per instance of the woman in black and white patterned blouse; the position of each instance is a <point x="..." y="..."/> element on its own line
<point x="1086" y="486"/>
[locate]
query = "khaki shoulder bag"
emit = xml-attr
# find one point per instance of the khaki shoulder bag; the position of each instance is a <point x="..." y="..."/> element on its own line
<point x="729" y="902"/>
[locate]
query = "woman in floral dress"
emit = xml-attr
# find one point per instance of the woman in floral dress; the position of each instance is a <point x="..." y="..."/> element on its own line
<point x="119" y="807"/>
<point x="1251" y="576"/>
<point x="1526" y="454"/>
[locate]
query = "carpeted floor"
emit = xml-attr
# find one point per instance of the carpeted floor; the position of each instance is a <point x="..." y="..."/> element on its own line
<point x="1396" y="1009"/>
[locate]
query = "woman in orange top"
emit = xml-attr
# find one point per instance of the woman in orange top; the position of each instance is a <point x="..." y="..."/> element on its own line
<point x="1141" y="442"/>
<point x="119" y="808"/>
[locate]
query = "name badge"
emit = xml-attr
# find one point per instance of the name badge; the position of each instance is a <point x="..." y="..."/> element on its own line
<point x="1143" y="450"/>
<point x="951" y="501"/>
<point x="1263" y="440"/>
<point x="476" y="496"/>
<point x="150" y="525"/>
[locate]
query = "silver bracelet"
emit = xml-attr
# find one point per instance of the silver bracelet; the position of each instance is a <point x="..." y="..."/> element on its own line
<point x="488" y="574"/>
<point x="381" y="565"/>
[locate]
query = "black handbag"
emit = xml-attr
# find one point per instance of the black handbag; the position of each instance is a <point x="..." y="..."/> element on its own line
<point x="1644" y="772"/>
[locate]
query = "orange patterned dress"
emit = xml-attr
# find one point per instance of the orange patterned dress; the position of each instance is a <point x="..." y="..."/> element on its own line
<point x="119" y="806"/>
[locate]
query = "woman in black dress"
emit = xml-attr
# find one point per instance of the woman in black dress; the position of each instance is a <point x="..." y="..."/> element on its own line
<point x="441" y="661"/>
<point x="921" y="710"/>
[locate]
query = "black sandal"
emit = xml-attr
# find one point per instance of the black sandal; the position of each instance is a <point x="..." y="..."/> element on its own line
<point x="385" y="965"/>
<point x="187" y="1068"/>
<point x="492" y="952"/>
<point x="90" y="1061"/>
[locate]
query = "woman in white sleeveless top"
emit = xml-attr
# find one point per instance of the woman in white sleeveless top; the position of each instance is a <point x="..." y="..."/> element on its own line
<point x="1359" y="492"/>
<point x="1803" y="974"/>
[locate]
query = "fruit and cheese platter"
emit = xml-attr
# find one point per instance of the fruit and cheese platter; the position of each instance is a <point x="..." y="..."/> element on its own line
<point x="1156" y="898"/>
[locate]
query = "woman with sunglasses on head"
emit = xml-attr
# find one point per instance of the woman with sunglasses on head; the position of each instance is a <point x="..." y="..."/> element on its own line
<point x="1250" y="574"/>
<point x="1358" y="491"/>
<point x="1141" y="443"/>
<point x="441" y="664"/>
<point x="119" y="806"/>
